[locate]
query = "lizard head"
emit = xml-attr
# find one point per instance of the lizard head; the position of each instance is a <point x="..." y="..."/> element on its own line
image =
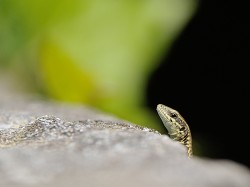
<point x="173" y="121"/>
<point x="177" y="127"/>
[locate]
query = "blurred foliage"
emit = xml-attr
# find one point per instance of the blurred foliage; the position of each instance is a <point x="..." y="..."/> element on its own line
<point x="94" y="52"/>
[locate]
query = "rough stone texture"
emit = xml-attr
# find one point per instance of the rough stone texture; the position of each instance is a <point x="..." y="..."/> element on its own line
<point x="45" y="144"/>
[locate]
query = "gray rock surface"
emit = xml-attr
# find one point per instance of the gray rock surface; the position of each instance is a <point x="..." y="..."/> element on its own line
<point x="46" y="144"/>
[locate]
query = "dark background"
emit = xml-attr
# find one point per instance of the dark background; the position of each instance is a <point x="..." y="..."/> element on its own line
<point x="206" y="77"/>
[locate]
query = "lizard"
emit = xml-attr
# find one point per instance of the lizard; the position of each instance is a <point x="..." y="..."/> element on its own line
<point x="177" y="127"/>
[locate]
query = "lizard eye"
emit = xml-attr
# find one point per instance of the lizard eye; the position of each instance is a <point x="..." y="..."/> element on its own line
<point x="173" y="115"/>
<point x="182" y="128"/>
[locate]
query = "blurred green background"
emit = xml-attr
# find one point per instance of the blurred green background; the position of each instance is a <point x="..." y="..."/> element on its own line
<point x="93" y="52"/>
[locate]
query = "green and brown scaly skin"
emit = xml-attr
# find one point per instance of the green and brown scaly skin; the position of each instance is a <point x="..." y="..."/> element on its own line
<point x="177" y="127"/>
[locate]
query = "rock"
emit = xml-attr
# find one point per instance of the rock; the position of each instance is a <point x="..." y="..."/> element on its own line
<point x="48" y="144"/>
